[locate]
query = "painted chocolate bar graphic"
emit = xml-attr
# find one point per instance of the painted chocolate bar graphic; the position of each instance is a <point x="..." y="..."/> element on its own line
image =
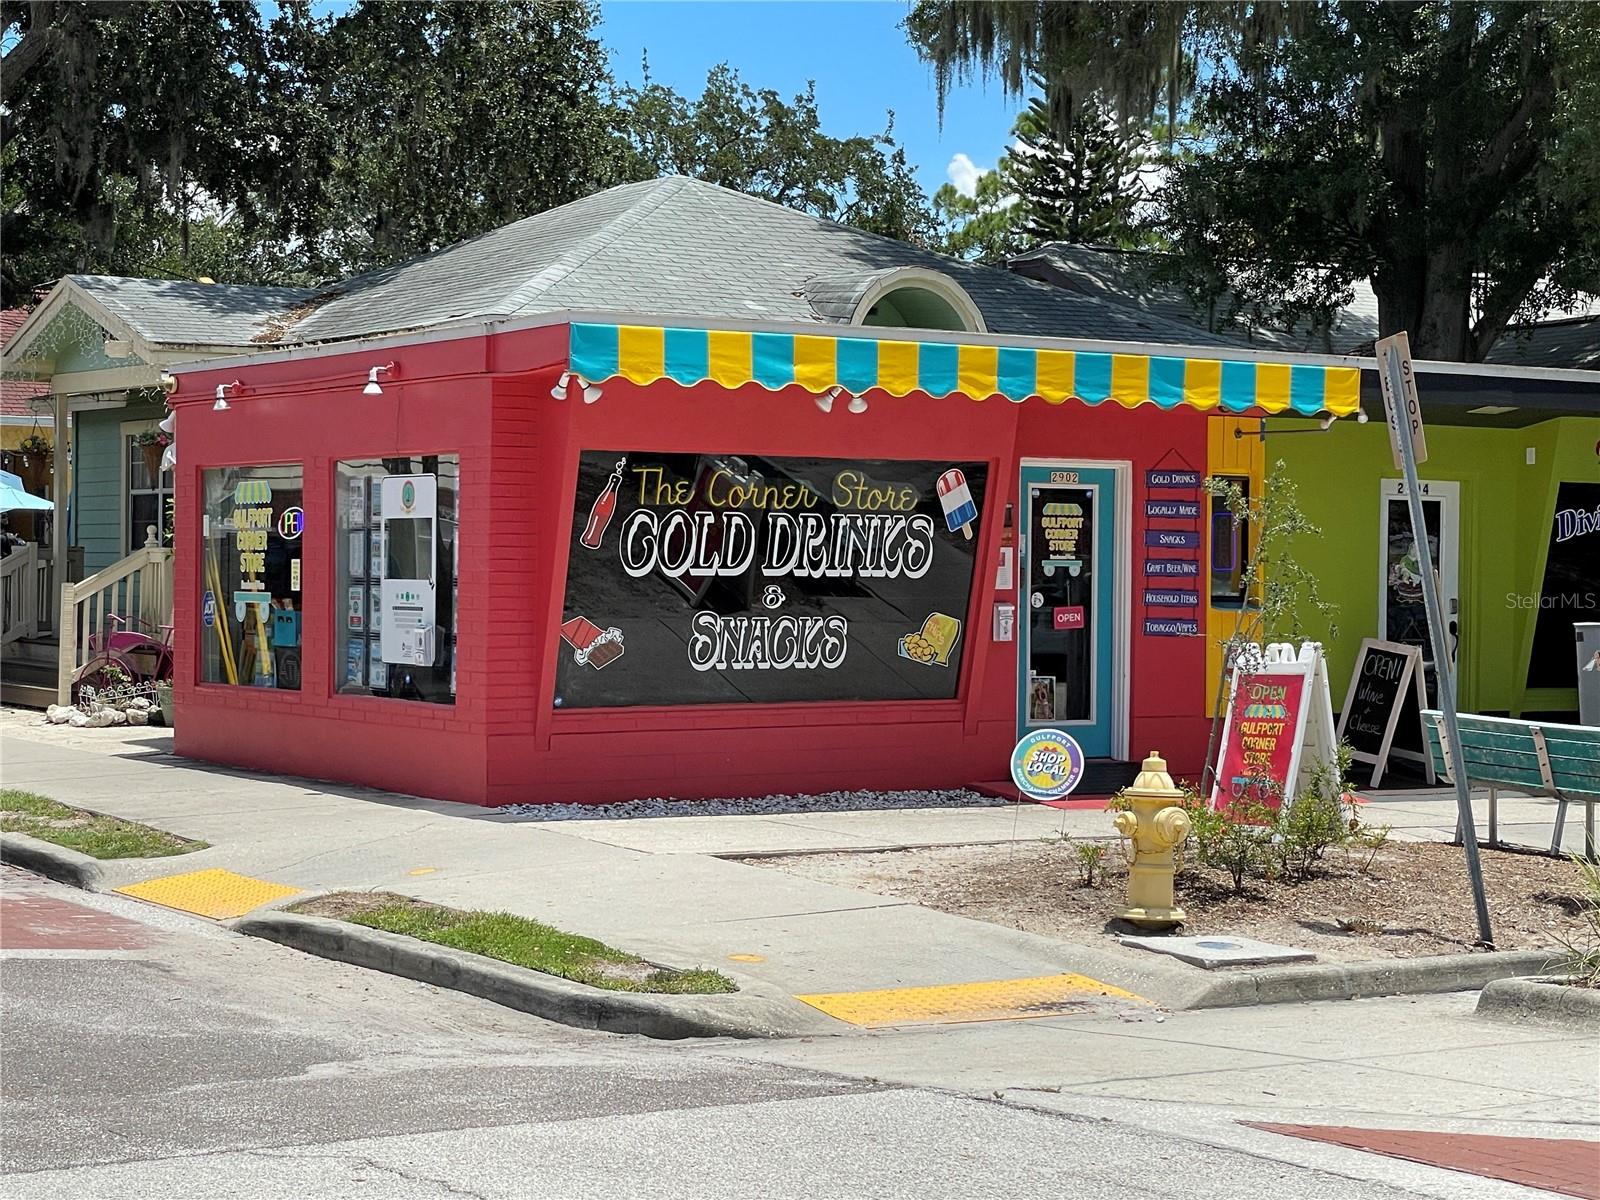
<point x="591" y="645"/>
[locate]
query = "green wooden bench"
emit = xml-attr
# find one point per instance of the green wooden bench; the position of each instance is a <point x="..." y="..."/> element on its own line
<point x="1539" y="757"/>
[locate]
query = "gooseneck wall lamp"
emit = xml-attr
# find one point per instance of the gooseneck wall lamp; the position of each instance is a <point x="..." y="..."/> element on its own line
<point x="169" y="426"/>
<point x="825" y="400"/>
<point x="591" y="391"/>
<point x="223" y="389"/>
<point x="374" y="388"/>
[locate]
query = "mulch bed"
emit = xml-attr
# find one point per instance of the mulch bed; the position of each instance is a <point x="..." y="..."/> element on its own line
<point x="1412" y="899"/>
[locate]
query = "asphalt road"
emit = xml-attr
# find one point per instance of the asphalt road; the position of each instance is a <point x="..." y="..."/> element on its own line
<point x="151" y="1054"/>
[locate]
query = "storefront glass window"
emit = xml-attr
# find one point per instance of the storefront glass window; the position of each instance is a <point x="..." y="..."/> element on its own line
<point x="397" y="553"/>
<point x="1571" y="590"/>
<point x="1230" y="548"/>
<point x="727" y="580"/>
<point x="250" y="575"/>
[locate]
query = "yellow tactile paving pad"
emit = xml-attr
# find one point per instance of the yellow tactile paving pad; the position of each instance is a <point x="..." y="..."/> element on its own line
<point x="996" y="1000"/>
<point x="214" y="893"/>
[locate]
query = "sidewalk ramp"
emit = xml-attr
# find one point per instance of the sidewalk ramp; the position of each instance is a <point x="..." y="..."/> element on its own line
<point x="954" y="1003"/>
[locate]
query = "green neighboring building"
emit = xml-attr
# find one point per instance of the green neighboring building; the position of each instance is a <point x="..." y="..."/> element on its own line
<point x="1513" y="475"/>
<point x="1513" y="506"/>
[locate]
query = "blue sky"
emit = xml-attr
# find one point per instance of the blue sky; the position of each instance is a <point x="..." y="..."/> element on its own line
<point x="853" y="49"/>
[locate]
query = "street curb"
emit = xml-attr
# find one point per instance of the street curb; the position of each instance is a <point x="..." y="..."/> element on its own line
<point x="52" y="861"/>
<point x="885" y="848"/>
<point x="1346" y="981"/>
<point x="753" y="1012"/>
<point x="1542" y="1000"/>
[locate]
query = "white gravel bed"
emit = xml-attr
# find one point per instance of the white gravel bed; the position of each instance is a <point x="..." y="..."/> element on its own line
<point x="764" y="806"/>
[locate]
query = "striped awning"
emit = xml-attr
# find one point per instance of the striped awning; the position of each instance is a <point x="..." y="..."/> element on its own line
<point x="817" y="362"/>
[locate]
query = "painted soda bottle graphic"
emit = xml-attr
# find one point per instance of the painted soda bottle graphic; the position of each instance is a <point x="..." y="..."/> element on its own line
<point x="600" y="512"/>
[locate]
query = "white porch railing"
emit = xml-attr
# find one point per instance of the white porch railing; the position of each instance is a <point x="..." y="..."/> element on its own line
<point x="24" y="594"/>
<point x="139" y="585"/>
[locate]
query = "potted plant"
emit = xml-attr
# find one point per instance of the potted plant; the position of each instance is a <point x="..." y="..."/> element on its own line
<point x="164" y="699"/>
<point x="32" y="458"/>
<point x="152" y="444"/>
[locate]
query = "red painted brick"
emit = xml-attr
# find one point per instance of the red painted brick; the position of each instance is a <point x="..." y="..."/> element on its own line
<point x="1570" y="1166"/>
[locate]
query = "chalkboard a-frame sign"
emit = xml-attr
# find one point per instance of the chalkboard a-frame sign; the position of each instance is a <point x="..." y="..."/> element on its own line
<point x="1382" y="714"/>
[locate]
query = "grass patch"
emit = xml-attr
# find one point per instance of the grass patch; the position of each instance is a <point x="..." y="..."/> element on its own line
<point x="88" y="833"/>
<point x="516" y="940"/>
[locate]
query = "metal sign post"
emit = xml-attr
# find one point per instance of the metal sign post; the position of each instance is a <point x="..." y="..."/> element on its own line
<point x="1404" y="412"/>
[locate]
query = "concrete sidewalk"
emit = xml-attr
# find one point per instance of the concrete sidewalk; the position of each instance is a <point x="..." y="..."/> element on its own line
<point x="1422" y="815"/>
<point x="680" y="908"/>
<point x="655" y="887"/>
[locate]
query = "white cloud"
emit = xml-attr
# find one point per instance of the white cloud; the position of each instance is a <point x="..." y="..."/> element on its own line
<point x="965" y="173"/>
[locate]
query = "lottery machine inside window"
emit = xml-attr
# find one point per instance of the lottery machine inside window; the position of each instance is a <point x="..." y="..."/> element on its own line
<point x="252" y="533"/>
<point x="397" y="554"/>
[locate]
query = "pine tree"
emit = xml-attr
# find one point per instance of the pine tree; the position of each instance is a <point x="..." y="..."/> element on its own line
<point x="1079" y="183"/>
<point x="1447" y="152"/>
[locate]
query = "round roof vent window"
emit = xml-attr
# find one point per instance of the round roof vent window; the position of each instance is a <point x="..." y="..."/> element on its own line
<point x="914" y="298"/>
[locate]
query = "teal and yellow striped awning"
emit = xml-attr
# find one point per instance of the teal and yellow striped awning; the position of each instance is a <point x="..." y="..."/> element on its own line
<point x="817" y="362"/>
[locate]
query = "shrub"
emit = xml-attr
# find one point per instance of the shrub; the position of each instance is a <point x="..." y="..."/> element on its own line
<point x="1369" y="838"/>
<point x="1321" y="818"/>
<point x="1243" y="842"/>
<point x="1305" y="830"/>
<point x="1582" y="957"/>
<point x="1091" y="862"/>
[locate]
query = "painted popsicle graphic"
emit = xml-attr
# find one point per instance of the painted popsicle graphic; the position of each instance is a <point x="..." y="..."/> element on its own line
<point x="959" y="509"/>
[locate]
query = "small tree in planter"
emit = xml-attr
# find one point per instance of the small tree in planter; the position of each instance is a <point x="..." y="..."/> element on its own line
<point x="1276" y="588"/>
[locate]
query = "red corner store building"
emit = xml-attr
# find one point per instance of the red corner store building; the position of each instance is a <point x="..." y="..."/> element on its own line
<point x="586" y="557"/>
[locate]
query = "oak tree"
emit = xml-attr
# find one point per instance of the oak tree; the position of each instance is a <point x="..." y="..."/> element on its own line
<point x="1449" y="152"/>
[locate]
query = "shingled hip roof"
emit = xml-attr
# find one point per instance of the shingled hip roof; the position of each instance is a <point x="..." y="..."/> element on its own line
<point x="677" y="247"/>
<point x="671" y="248"/>
<point x="182" y="312"/>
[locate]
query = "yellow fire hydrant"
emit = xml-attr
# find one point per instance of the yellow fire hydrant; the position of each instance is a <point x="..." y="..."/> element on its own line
<point x="1153" y="828"/>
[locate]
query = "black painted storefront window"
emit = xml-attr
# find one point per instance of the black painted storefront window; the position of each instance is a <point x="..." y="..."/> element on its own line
<point x="700" y="579"/>
<point x="1570" y="592"/>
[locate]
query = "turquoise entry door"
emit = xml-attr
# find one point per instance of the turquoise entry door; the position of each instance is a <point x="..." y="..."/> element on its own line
<point x="1067" y="622"/>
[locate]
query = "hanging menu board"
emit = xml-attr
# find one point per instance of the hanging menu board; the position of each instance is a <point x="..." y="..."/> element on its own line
<point x="719" y="579"/>
<point x="1171" y="591"/>
<point x="1382" y="712"/>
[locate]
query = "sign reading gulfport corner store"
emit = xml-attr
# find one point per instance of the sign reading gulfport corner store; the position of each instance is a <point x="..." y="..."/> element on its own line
<point x="1278" y="723"/>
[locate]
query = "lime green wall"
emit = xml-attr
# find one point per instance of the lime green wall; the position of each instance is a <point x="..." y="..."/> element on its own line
<point x="1507" y="508"/>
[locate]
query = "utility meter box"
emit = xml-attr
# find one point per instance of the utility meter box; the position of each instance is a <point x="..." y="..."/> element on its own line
<point x="1588" y="671"/>
<point x="410" y="574"/>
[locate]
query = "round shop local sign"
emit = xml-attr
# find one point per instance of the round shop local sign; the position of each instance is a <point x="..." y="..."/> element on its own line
<point x="1047" y="764"/>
